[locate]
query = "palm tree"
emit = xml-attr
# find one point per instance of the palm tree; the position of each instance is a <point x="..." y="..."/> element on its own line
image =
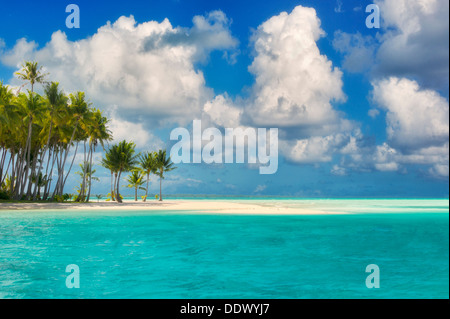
<point x="86" y="174"/>
<point x="55" y="100"/>
<point x="12" y="131"/>
<point x="31" y="73"/>
<point x="136" y="180"/>
<point x="40" y="182"/>
<point x="6" y="98"/>
<point x="163" y="164"/>
<point x="32" y="107"/>
<point x="122" y="159"/>
<point x="98" y="134"/>
<point x="111" y="162"/>
<point x="147" y="163"/>
<point x="78" y="112"/>
<point x="37" y="133"/>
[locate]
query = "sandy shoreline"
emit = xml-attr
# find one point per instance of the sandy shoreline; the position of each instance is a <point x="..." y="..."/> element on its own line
<point x="198" y="206"/>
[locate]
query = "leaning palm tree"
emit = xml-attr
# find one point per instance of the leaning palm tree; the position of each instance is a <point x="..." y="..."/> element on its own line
<point x="163" y="164"/>
<point x="55" y="100"/>
<point x="98" y="133"/>
<point x="6" y="100"/>
<point x="30" y="72"/>
<point x="111" y="162"/>
<point x="147" y="163"/>
<point x="32" y="107"/>
<point x="40" y="181"/>
<point x="86" y="174"/>
<point x="136" y="180"/>
<point x="78" y="113"/>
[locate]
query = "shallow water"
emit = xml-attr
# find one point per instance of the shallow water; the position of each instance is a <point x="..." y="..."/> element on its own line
<point x="184" y="255"/>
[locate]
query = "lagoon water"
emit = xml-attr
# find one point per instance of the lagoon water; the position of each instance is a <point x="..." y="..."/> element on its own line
<point x="168" y="254"/>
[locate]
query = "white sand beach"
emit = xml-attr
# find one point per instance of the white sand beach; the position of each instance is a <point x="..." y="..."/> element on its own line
<point x="197" y="206"/>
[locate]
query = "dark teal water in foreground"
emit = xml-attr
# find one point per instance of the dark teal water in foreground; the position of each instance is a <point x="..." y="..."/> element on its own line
<point x="185" y="255"/>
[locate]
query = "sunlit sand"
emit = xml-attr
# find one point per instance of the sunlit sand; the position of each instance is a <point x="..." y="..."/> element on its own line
<point x="198" y="206"/>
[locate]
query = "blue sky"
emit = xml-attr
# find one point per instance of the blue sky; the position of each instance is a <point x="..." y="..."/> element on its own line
<point x="375" y="101"/>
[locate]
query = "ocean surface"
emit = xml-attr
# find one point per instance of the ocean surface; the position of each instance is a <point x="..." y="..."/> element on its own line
<point x="168" y="254"/>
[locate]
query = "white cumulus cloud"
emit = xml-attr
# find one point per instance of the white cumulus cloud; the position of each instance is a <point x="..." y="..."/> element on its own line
<point x="416" y="118"/>
<point x="146" y="69"/>
<point x="294" y="83"/>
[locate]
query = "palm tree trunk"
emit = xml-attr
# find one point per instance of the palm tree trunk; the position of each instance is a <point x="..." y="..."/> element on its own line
<point x="33" y="171"/>
<point x="119" y="200"/>
<point x="23" y="169"/>
<point x="71" y="164"/>
<point x="90" y="176"/>
<point x="30" y="131"/>
<point x="135" y="194"/>
<point x="43" y="155"/>
<point x="41" y="162"/>
<point x="83" y="179"/>
<point x="61" y="186"/>
<point x="160" y="187"/>
<point x="13" y="173"/>
<point x="2" y="162"/>
<point x="49" y="179"/>
<point x="18" y="170"/>
<point x="6" y="170"/>
<point x="60" y="171"/>
<point x="113" y="194"/>
<point x="50" y="174"/>
<point x="146" y="189"/>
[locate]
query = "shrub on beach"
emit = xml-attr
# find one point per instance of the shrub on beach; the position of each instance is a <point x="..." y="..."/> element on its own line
<point x="4" y="195"/>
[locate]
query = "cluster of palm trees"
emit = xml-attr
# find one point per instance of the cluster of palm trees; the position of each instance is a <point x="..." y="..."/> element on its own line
<point x="122" y="157"/>
<point x="38" y="132"/>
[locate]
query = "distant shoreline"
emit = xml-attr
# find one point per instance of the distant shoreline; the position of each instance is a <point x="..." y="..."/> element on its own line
<point x="200" y="206"/>
<point x="249" y="206"/>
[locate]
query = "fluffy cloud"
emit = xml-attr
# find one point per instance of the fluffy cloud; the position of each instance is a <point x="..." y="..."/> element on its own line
<point x="145" y="69"/>
<point x="122" y="129"/>
<point x="417" y="127"/>
<point x="415" y="118"/>
<point x="385" y="158"/>
<point x="295" y="86"/>
<point x="416" y="42"/>
<point x="316" y="149"/>
<point x="222" y="111"/>
<point x="294" y="83"/>
<point x="411" y="48"/>
<point x="148" y="71"/>
<point x="413" y="42"/>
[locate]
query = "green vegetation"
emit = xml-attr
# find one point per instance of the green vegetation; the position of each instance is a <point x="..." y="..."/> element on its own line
<point x="119" y="158"/>
<point x="147" y="164"/>
<point x="163" y="165"/>
<point x="38" y="134"/>
<point x="86" y="179"/>
<point x="136" y="180"/>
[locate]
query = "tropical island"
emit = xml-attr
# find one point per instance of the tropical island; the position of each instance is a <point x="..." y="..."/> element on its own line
<point x="41" y="136"/>
<point x="39" y="132"/>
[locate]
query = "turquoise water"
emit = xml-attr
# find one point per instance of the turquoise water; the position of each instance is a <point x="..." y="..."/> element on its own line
<point x="186" y="255"/>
